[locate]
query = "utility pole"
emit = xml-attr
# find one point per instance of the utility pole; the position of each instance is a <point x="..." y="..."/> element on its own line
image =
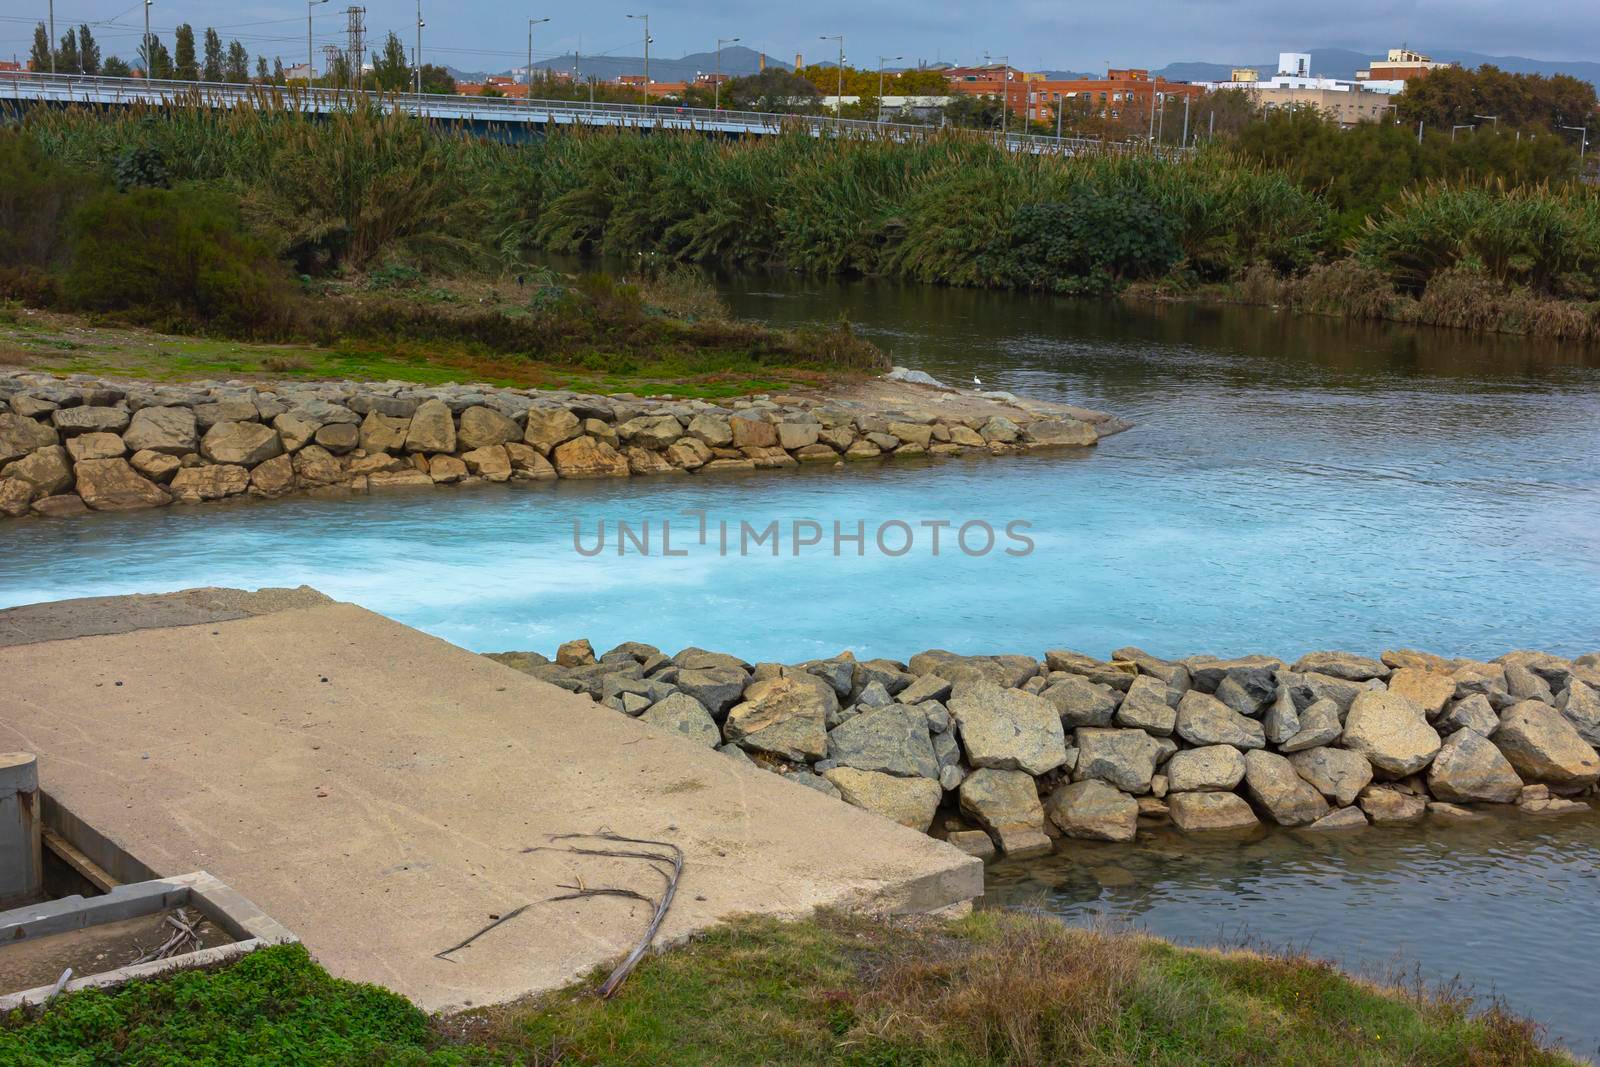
<point x="356" y="31"/>
<point x="420" y="24"/>
<point x="716" y="86"/>
<point x="1185" y="121"/>
<point x="1059" y="108"/>
<point x="838" y="100"/>
<point x="311" y="65"/>
<point x="646" y="20"/>
<point x="1152" y="111"/>
<point x="881" y="61"/>
<point x="147" y="49"/>
<point x="52" y="36"/>
<point x="529" y="74"/>
<point x="1005" y="90"/>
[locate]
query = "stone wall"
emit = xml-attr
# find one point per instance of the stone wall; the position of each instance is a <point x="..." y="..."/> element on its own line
<point x="1012" y="751"/>
<point x="71" y="445"/>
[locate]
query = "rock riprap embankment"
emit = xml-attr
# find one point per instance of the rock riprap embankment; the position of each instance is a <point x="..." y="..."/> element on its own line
<point x="71" y="445"/>
<point x="1007" y="752"/>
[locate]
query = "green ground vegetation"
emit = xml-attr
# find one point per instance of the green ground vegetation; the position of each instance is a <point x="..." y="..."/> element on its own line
<point x="994" y="988"/>
<point x="246" y="210"/>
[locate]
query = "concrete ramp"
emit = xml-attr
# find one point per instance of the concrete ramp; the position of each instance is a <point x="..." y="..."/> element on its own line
<point x="375" y="790"/>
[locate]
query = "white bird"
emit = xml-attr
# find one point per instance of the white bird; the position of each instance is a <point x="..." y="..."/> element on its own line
<point x="976" y="382"/>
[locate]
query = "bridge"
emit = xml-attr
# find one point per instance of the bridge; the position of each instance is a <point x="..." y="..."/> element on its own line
<point x="495" y="116"/>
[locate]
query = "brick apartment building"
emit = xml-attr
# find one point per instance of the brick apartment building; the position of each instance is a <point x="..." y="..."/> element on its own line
<point x="1122" y="92"/>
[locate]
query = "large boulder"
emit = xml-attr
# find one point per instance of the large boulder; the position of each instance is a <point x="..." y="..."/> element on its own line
<point x="1211" y="768"/>
<point x="96" y="446"/>
<point x="908" y="801"/>
<point x="432" y="428"/>
<point x="549" y="427"/>
<point x="782" y="716"/>
<point x="212" y="482"/>
<point x="1146" y="707"/>
<point x="1386" y="804"/>
<point x="681" y="713"/>
<point x="1080" y="702"/>
<point x="1276" y="787"/>
<point x="1473" y="713"/>
<point x="20" y="435"/>
<point x="1580" y="705"/>
<point x="1063" y="431"/>
<point x="717" y="687"/>
<point x="379" y="432"/>
<point x="711" y="430"/>
<point x="893" y="740"/>
<point x="651" y="431"/>
<point x="1544" y="747"/>
<point x="48" y="469"/>
<point x="1351" y="668"/>
<point x="72" y="421"/>
<point x="172" y="431"/>
<point x="16" y="496"/>
<point x="1199" y="812"/>
<point x="1282" y="718"/>
<point x="241" y="443"/>
<point x="1008" y="729"/>
<point x="1391" y="731"/>
<point x="1094" y="810"/>
<point x="1319" y="724"/>
<point x="1006" y="803"/>
<point x="483" y="426"/>
<point x="1205" y="720"/>
<point x="1429" y="690"/>
<point x="112" y="485"/>
<point x="1469" y="767"/>
<point x="589" y="457"/>
<point x="1125" y="758"/>
<point x="1337" y="773"/>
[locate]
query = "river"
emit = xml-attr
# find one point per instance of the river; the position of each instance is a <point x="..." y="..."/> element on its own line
<point x="1292" y="483"/>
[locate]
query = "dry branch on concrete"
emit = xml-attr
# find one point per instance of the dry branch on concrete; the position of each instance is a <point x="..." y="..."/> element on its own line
<point x="668" y="864"/>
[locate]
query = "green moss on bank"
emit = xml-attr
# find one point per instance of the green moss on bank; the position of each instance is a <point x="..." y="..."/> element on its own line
<point x="994" y="988"/>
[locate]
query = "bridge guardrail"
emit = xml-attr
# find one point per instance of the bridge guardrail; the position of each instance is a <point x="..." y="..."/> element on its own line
<point x="97" y="89"/>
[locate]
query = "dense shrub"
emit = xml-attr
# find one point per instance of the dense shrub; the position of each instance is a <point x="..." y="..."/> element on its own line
<point x="1086" y="243"/>
<point x="176" y="257"/>
<point x="38" y="195"/>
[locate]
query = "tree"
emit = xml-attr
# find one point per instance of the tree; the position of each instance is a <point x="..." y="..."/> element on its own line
<point x="277" y="71"/>
<point x="261" y="70"/>
<point x="391" y="72"/>
<point x="184" y="63"/>
<point x="215" y="67"/>
<point x="437" y="80"/>
<point x="41" y="58"/>
<point x="114" y="67"/>
<point x="158" y="63"/>
<point x="1452" y="96"/>
<point x="88" y="51"/>
<point x="772" y="90"/>
<point x="67" y="60"/>
<point x="236" y="68"/>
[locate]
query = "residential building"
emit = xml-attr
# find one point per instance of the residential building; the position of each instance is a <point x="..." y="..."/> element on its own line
<point x="298" y="72"/>
<point x="1390" y="75"/>
<point x="1120" y="94"/>
<point x="1294" y="85"/>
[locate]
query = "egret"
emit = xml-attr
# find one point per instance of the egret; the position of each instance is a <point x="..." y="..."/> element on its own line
<point x="976" y="382"/>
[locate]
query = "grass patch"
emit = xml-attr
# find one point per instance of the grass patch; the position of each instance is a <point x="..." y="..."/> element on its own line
<point x="994" y="988"/>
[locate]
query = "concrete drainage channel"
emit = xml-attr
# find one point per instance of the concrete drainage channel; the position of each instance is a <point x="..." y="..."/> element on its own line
<point x="77" y="924"/>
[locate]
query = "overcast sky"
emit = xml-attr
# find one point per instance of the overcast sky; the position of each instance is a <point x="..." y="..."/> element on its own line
<point x="492" y="34"/>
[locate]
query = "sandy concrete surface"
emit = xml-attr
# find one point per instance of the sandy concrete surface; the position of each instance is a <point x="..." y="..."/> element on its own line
<point x="375" y="790"/>
<point x="881" y="395"/>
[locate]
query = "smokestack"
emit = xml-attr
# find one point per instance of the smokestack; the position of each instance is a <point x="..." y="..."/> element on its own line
<point x="761" y="62"/>
<point x="798" y="61"/>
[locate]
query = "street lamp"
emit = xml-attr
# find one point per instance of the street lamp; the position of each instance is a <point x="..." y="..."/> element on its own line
<point x="1005" y="90"/>
<point x="716" y="86"/>
<point x="148" y="57"/>
<point x="646" y="20"/>
<point x="1461" y="126"/>
<point x="529" y="78"/>
<point x="311" y="55"/>
<point x="1492" y="118"/>
<point x="881" y="61"/>
<point x="420" y="24"/>
<point x="838" y="101"/>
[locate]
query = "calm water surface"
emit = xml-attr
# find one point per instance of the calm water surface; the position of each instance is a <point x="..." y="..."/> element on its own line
<point x="1292" y="484"/>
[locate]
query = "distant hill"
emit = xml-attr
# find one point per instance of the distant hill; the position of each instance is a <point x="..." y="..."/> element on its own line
<point x="1343" y="63"/>
<point x="736" y="60"/>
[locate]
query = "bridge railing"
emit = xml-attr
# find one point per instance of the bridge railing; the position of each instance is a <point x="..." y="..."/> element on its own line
<point x="96" y="89"/>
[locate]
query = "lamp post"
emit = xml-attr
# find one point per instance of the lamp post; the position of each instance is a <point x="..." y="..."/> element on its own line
<point x="1005" y="92"/>
<point x="1461" y="126"/>
<point x="838" y="100"/>
<point x="52" y="36"/>
<point x="148" y="58"/>
<point x="716" y="86"/>
<point x="881" y="61"/>
<point x="1492" y="118"/>
<point x="311" y="55"/>
<point x="420" y="24"/>
<point x="529" y="79"/>
<point x="646" y="20"/>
